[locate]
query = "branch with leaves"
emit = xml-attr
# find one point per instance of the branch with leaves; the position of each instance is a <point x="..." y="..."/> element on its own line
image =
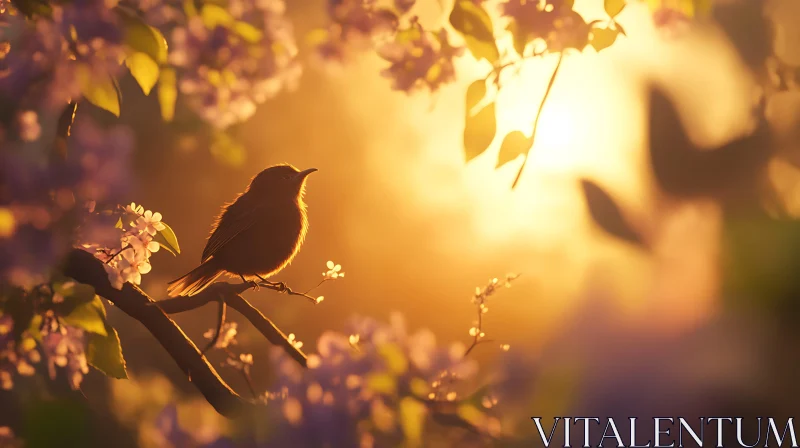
<point x="85" y="269"/>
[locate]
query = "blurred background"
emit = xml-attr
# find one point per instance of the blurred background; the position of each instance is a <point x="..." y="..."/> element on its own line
<point x="612" y="329"/>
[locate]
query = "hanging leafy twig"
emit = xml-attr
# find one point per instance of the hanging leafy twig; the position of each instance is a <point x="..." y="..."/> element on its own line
<point x="539" y="114"/>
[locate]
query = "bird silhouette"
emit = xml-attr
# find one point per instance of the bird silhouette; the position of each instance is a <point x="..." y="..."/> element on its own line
<point x="256" y="235"/>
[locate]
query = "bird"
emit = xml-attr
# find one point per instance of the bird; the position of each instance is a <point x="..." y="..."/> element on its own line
<point x="256" y="235"/>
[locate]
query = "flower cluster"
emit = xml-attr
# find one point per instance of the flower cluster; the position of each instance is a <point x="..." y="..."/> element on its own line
<point x="362" y="385"/>
<point x="553" y="21"/>
<point x="419" y="58"/>
<point x="42" y="193"/>
<point x="125" y="251"/>
<point x="16" y="358"/>
<point x="334" y="271"/>
<point x="51" y="56"/>
<point x="64" y="347"/>
<point x="356" y="25"/>
<point x="233" y="59"/>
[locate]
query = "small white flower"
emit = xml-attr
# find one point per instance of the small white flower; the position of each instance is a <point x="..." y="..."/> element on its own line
<point x="295" y="343"/>
<point x="150" y="222"/>
<point x="333" y="272"/>
<point x="134" y="209"/>
<point x="246" y="358"/>
<point x="29" y="128"/>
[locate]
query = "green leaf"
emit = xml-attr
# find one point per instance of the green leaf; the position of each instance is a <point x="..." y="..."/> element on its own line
<point x="90" y="316"/>
<point x="396" y="361"/>
<point x="34" y="328"/>
<point x="214" y="16"/>
<point x="143" y="38"/>
<point x="471" y="414"/>
<point x="227" y="150"/>
<point x="613" y="7"/>
<point x="248" y="32"/>
<point x="412" y="420"/>
<point x="73" y="294"/>
<point x="474" y="23"/>
<point x="70" y="289"/>
<point x="99" y="89"/>
<point x="607" y="214"/>
<point x="382" y="383"/>
<point x="167" y="93"/>
<point x="104" y="353"/>
<point x="479" y="130"/>
<point x="475" y="93"/>
<point x="144" y="70"/>
<point x="167" y="239"/>
<point x="514" y="144"/>
<point x="603" y="38"/>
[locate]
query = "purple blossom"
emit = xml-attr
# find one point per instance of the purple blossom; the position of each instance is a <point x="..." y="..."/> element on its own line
<point x="43" y="189"/>
<point x="356" y="24"/>
<point x="227" y="74"/>
<point x="553" y="21"/>
<point x="63" y="347"/>
<point x="100" y="161"/>
<point x="358" y="380"/>
<point x="419" y="59"/>
<point x="16" y="358"/>
<point x="44" y="55"/>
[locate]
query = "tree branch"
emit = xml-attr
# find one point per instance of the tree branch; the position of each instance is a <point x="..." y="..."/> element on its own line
<point x="231" y="293"/>
<point x="84" y="268"/>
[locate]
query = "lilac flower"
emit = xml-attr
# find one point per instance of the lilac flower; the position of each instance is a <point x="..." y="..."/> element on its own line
<point x="355" y="26"/>
<point x="99" y="160"/>
<point x="228" y="72"/>
<point x="670" y="22"/>
<point x="63" y="347"/>
<point x="45" y="54"/>
<point x="553" y="21"/>
<point x="15" y="358"/>
<point x="358" y="380"/>
<point x="419" y="59"/>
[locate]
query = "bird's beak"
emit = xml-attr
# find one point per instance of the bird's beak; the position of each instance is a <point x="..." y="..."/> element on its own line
<point x="302" y="174"/>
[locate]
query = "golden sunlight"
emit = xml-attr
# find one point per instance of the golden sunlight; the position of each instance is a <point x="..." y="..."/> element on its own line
<point x="593" y="125"/>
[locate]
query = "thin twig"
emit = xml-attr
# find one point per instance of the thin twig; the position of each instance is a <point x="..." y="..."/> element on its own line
<point x="245" y="371"/>
<point x="538" y="115"/>
<point x="220" y="323"/>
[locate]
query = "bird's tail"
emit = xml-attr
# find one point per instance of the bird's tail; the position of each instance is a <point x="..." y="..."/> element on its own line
<point x="195" y="281"/>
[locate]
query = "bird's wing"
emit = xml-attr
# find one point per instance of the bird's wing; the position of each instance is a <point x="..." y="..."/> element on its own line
<point x="237" y="218"/>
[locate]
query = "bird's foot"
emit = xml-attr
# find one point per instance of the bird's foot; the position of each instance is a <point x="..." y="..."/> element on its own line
<point x="278" y="286"/>
<point x="252" y="283"/>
